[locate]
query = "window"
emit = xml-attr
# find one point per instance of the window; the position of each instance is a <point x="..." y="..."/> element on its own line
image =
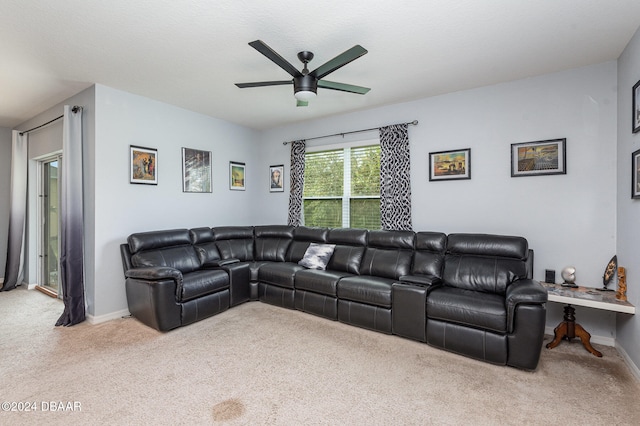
<point x="342" y="187"/>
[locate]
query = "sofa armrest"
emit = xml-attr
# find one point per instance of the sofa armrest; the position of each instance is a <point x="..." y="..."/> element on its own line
<point x="424" y="280"/>
<point x="526" y="291"/>
<point x="219" y="262"/>
<point x="157" y="273"/>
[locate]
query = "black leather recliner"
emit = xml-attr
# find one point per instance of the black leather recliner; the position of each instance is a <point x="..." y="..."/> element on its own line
<point x="471" y="294"/>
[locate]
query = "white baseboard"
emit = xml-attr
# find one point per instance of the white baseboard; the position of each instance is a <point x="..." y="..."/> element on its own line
<point x="600" y="340"/>
<point x="107" y="317"/>
<point x="632" y="366"/>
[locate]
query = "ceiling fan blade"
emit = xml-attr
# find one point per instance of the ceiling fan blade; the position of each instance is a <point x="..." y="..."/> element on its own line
<point x="300" y="103"/>
<point x="264" y="83"/>
<point x="339" y="61"/>
<point x="261" y="47"/>
<point x="343" y="87"/>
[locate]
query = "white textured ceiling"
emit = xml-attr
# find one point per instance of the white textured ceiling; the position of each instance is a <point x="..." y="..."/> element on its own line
<point x="190" y="53"/>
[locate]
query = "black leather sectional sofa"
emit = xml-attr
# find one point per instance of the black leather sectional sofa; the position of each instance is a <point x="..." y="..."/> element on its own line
<point x="472" y="294"/>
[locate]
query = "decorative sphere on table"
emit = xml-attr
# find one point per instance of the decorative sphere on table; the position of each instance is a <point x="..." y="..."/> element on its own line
<point x="569" y="274"/>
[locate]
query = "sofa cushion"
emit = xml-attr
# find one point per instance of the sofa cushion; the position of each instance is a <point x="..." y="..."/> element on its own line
<point x="158" y="239"/>
<point x="386" y="262"/>
<point x="428" y="258"/>
<point x="302" y="237"/>
<point x="272" y="242"/>
<point x="482" y="262"/>
<point x="317" y="281"/>
<point x="470" y="308"/>
<point x="234" y="242"/>
<point x="183" y="258"/>
<point x="199" y="283"/>
<point x="280" y="274"/>
<point x="317" y="256"/>
<point x="366" y="289"/>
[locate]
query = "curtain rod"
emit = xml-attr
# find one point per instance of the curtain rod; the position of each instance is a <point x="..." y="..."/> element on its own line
<point x="414" y="123"/>
<point x="74" y="109"/>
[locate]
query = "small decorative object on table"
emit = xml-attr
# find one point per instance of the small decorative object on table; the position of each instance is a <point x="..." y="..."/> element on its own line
<point x="569" y="276"/>
<point x="621" y="294"/>
<point x="609" y="272"/>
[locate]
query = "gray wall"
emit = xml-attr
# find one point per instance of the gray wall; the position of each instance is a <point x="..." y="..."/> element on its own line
<point x="628" y="227"/>
<point x="121" y="208"/>
<point x="568" y="219"/>
<point x="5" y="186"/>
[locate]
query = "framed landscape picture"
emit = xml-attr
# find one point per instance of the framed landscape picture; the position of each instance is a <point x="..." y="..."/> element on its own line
<point x="276" y="178"/>
<point x="539" y="158"/>
<point x="236" y="176"/>
<point x="636" y="107"/>
<point x="196" y="170"/>
<point x="635" y="174"/>
<point x="450" y="165"/>
<point x="143" y="165"/>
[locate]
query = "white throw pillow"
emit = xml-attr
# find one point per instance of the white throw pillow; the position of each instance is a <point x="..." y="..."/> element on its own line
<point x="317" y="256"/>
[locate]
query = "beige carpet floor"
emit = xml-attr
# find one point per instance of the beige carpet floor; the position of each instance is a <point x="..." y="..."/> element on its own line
<point x="258" y="364"/>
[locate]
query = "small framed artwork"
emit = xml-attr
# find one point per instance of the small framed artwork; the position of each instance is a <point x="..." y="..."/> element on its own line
<point x="450" y="165"/>
<point x="276" y="178"/>
<point x="236" y="176"/>
<point x="635" y="174"/>
<point x="144" y="165"/>
<point x="196" y="170"/>
<point x="539" y="158"/>
<point x="636" y="107"/>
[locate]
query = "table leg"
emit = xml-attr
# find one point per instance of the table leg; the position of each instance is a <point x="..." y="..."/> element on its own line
<point x="569" y="329"/>
<point x="585" y="338"/>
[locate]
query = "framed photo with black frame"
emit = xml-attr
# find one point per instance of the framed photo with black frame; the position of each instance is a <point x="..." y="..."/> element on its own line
<point x="143" y="165"/>
<point x="539" y="158"/>
<point x="236" y="176"/>
<point x="635" y="174"/>
<point x="196" y="170"/>
<point x="276" y="178"/>
<point x="450" y="165"/>
<point x="636" y="107"/>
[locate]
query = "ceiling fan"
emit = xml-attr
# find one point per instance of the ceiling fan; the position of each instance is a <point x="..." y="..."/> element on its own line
<point x="305" y="83"/>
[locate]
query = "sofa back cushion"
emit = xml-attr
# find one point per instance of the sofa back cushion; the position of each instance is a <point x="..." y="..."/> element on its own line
<point x="204" y="242"/>
<point x="157" y="239"/>
<point x="272" y="242"/>
<point x="303" y="236"/>
<point x="170" y="248"/>
<point x="349" y="251"/>
<point x="388" y="254"/>
<point x="428" y="258"/>
<point x="234" y="242"/>
<point x="487" y="263"/>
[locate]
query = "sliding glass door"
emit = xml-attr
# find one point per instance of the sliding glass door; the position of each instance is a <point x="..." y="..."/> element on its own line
<point x="49" y="195"/>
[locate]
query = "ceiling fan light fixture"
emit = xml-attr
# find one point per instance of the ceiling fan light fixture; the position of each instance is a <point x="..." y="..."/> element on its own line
<point x="304" y="95"/>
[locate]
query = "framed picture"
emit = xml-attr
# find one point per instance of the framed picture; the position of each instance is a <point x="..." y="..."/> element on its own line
<point x="236" y="176"/>
<point x="450" y="165"/>
<point x="144" y="165"/>
<point x="636" y="108"/>
<point x="276" y="178"/>
<point x="539" y="158"/>
<point x="635" y="174"/>
<point x="196" y="170"/>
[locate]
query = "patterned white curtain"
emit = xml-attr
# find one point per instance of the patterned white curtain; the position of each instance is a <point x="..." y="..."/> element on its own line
<point x="298" y="149"/>
<point x="395" y="178"/>
<point x="14" y="271"/>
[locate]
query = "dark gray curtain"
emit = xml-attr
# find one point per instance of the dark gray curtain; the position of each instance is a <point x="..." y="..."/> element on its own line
<point x="298" y="149"/>
<point x="72" y="219"/>
<point x="395" y="178"/>
<point x="13" y="272"/>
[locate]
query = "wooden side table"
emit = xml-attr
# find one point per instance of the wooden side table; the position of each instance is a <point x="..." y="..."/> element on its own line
<point x="581" y="296"/>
